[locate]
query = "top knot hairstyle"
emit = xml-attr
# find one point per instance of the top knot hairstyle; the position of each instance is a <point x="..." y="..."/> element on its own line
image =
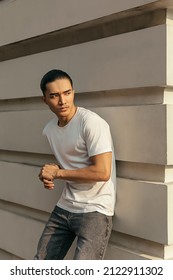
<point x="53" y="75"/>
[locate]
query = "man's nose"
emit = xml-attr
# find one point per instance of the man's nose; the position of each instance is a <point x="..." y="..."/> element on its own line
<point x="61" y="100"/>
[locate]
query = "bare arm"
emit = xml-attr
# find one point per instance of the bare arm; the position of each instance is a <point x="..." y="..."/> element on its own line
<point x="99" y="170"/>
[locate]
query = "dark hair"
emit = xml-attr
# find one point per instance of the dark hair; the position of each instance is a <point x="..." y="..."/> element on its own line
<point x="53" y="75"/>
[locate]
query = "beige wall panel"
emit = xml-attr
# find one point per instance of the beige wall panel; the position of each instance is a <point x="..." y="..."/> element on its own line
<point x="7" y="256"/>
<point x="22" y="131"/>
<point x="168" y="174"/>
<point x="170" y="54"/>
<point x="168" y="252"/>
<point x="142" y="209"/>
<point x="139" y="132"/>
<point x="137" y="245"/>
<point x="169" y="133"/>
<point x="20" y="184"/>
<point x="119" y="253"/>
<point x="39" y="17"/>
<point x="170" y="216"/>
<point x="19" y="235"/>
<point x="143" y="171"/>
<point x="130" y="60"/>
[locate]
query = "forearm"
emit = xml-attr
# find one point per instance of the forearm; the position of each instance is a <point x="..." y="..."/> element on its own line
<point x="99" y="170"/>
<point x="85" y="175"/>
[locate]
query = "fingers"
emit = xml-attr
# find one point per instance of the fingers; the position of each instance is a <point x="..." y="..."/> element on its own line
<point x="44" y="174"/>
<point x="48" y="184"/>
<point x="48" y="171"/>
<point x="48" y="174"/>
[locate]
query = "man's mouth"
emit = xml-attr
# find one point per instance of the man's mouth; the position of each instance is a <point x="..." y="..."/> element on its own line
<point x="62" y="108"/>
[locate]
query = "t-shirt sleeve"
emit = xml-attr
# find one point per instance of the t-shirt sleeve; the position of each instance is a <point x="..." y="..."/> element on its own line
<point x="97" y="136"/>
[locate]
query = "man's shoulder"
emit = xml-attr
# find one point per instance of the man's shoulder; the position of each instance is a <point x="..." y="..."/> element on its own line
<point x="91" y="117"/>
<point x="86" y="114"/>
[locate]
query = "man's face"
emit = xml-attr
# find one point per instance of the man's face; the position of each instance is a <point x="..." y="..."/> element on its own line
<point x="59" y="96"/>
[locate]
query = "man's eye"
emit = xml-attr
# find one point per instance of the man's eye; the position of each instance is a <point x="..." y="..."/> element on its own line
<point x="67" y="93"/>
<point x="53" y="95"/>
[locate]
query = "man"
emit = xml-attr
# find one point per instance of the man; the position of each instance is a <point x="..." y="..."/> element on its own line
<point x="82" y="144"/>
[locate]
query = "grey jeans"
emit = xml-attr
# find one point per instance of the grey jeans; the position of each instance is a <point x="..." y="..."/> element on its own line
<point x="91" y="229"/>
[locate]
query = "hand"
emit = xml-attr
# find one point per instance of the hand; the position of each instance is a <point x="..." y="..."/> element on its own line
<point x="47" y="174"/>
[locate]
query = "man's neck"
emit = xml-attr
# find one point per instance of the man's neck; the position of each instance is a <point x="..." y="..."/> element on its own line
<point x="63" y="121"/>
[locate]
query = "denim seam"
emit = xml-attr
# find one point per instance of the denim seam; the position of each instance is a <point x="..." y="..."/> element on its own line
<point x="104" y="244"/>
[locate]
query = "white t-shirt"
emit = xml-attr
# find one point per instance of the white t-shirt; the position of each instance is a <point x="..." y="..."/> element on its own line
<point x="86" y="135"/>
